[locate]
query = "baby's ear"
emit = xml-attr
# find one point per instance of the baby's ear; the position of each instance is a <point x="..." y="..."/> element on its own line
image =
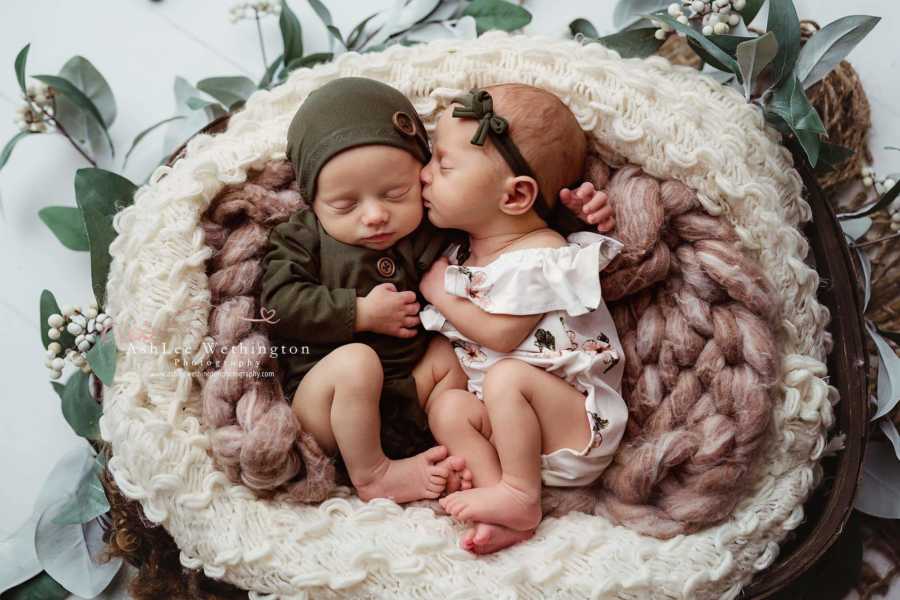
<point x="521" y="192"/>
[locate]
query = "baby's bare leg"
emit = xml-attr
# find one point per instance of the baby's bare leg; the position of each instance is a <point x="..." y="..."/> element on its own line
<point x="437" y="372"/>
<point x="531" y="411"/>
<point x="460" y="422"/>
<point x="337" y="402"/>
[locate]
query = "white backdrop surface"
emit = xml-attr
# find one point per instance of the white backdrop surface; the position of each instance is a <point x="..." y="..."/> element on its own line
<point x="140" y="47"/>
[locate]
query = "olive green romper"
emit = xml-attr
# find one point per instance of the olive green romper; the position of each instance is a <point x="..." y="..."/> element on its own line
<point x="312" y="280"/>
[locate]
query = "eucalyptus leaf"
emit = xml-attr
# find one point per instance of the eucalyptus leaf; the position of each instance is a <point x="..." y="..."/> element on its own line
<point x="634" y="43"/>
<point x="65" y="553"/>
<point x="230" y="91"/>
<point x="729" y="43"/>
<point x="200" y="103"/>
<point x="785" y="24"/>
<point x="102" y="358"/>
<point x="753" y="56"/>
<point x="890" y="432"/>
<point x="709" y="48"/>
<point x="88" y="500"/>
<point x="336" y="35"/>
<point x="49" y="306"/>
<point x="80" y="125"/>
<point x="751" y="9"/>
<point x="67" y="90"/>
<point x="18" y="561"/>
<point x="856" y="228"/>
<point x="67" y="225"/>
<point x="100" y="195"/>
<point x="879" y="489"/>
<point x="80" y="409"/>
<point x="20" y="63"/>
<point x="584" y="27"/>
<point x="144" y="133"/>
<point x="790" y="103"/>
<point x="831" y="156"/>
<point x="266" y="80"/>
<point x="708" y="59"/>
<point x="88" y="79"/>
<point x="356" y="33"/>
<point x="627" y="12"/>
<point x="39" y="587"/>
<point x="888" y="390"/>
<point x="892" y="148"/>
<point x="830" y="45"/>
<point x="310" y="60"/>
<point x="8" y="148"/>
<point x="322" y="11"/>
<point x="291" y="34"/>
<point x="497" y="14"/>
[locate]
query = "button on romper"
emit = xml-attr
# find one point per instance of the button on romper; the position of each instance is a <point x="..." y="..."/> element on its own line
<point x="575" y="340"/>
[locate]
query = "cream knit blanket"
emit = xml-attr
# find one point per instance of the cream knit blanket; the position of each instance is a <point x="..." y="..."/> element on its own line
<point x="673" y="121"/>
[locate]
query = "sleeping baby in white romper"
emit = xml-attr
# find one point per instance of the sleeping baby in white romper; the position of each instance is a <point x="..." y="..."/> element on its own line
<point x="576" y="338"/>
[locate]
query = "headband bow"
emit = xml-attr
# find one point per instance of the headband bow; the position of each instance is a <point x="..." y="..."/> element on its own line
<point x="478" y="104"/>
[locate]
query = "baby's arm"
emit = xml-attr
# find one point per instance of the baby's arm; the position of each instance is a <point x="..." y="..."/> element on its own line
<point x="308" y="311"/>
<point x="501" y="333"/>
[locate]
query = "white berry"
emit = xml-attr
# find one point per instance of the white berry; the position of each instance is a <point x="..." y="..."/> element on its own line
<point x="697" y="6"/>
<point x="54" y="333"/>
<point x="55" y="374"/>
<point x="683" y="20"/>
<point x="659" y="34"/>
<point x="734" y="20"/>
<point x="57" y="364"/>
<point x="74" y="328"/>
<point x="67" y="310"/>
<point x="84" y="346"/>
<point x="721" y="28"/>
<point x="867" y="181"/>
<point x="85" y="368"/>
<point x="91" y="312"/>
<point x="739" y="4"/>
<point x="707" y="30"/>
<point x="674" y="10"/>
<point x="55" y="320"/>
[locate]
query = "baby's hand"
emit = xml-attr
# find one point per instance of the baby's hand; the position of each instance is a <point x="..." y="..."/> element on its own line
<point x="589" y="205"/>
<point x="387" y="311"/>
<point x="432" y="284"/>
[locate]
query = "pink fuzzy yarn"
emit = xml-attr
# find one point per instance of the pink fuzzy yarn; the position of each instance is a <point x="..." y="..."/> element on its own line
<point x="256" y="438"/>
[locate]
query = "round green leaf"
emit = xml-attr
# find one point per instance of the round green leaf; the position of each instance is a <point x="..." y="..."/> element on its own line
<point x="830" y="45"/>
<point x="21" y="60"/>
<point x="8" y="148"/>
<point x="39" y="587"/>
<point x="497" y="14"/>
<point x="102" y="358"/>
<point x="291" y="34"/>
<point x="80" y="409"/>
<point x="88" y="500"/>
<point x="633" y="43"/>
<point x="88" y="79"/>
<point x="101" y="194"/>
<point x="66" y="89"/>
<point x="584" y="27"/>
<point x="67" y="225"/>
<point x="785" y="24"/>
<point x="228" y="90"/>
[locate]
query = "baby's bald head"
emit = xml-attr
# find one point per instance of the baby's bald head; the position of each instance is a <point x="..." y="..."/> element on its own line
<point x="546" y="133"/>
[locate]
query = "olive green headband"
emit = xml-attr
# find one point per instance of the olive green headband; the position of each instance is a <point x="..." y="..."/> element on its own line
<point x="478" y="104"/>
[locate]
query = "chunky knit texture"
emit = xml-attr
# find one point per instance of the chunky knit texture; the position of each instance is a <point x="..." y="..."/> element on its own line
<point x="673" y="122"/>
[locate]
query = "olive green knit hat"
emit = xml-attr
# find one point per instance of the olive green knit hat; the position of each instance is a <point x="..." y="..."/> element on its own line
<point x="349" y="112"/>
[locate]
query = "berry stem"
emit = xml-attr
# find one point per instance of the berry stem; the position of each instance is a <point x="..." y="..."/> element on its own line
<point x="262" y="45"/>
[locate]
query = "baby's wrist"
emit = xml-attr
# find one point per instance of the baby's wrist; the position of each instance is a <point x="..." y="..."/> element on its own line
<point x="362" y="314"/>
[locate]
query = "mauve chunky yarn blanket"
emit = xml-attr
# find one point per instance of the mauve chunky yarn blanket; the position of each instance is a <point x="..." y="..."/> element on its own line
<point x="723" y="360"/>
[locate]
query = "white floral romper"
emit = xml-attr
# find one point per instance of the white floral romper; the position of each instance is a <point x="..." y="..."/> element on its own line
<point x="575" y="340"/>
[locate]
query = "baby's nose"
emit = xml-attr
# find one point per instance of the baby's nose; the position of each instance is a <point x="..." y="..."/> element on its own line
<point x="375" y="215"/>
<point x="425" y="173"/>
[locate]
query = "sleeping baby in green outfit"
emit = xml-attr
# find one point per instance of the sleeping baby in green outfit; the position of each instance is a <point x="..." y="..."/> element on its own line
<point x="343" y="278"/>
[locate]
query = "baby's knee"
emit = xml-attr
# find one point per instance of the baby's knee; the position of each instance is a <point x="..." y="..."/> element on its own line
<point x="505" y="375"/>
<point x="456" y="409"/>
<point x="357" y="364"/>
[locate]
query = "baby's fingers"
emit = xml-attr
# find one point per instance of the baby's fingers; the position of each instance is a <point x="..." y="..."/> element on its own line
<point x="598" y="201"/>
<point x="410" y="321"/>
<point x="585" y="191"/>
<point x="601" y="215"/>
<point x="406" y="333"/>
<point x="407" y="296"/>
<point x="412" y="309"/>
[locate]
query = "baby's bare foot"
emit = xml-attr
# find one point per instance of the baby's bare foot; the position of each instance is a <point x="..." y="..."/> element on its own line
<point x="501" y="504"/>
<point x="459" y="474"/>
<point x="486" y="538"/>
<point x="406" y="480"/>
